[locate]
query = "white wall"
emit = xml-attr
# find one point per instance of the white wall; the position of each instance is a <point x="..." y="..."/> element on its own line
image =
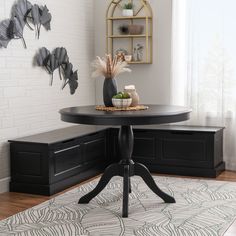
<point x="152" y="81"/>
<point x="27" y="104"/>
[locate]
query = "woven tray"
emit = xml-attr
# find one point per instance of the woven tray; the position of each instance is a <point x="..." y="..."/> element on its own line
<point x="137" y="108"/>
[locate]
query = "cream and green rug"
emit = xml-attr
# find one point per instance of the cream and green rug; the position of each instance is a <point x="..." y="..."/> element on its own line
<point x="203" y="208"/>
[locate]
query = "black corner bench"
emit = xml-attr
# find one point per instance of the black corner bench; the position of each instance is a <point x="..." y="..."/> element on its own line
<point x="53" y="161"/>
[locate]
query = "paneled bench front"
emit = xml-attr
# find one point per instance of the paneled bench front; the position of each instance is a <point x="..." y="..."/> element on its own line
<point x="50" y="162"/>
<point x="177" y="149"/>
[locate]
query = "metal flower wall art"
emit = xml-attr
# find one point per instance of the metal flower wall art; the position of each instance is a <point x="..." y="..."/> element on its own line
<point x="24" y="13"/>
<point x="58" y="59"/>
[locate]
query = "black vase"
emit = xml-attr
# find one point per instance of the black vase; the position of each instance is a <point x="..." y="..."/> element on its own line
<point x="109" y="90"/>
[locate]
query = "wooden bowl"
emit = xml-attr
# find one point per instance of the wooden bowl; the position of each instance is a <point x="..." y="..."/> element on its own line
<point x="135" y="29"/>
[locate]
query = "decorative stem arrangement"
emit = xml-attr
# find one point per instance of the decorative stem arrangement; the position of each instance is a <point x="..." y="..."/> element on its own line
<point x="24" y="13"/>
<point x="58" y="59"/>
<point x="109" y="68"/>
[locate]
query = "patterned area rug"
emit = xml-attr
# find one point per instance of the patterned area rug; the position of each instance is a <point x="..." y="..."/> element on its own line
<point x="203" y="208"/>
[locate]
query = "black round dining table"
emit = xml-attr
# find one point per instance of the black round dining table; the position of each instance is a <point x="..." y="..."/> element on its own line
<point x="126" y="168"/>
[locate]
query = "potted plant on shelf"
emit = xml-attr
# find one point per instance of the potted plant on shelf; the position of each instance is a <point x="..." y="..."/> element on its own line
<point x="128" y="9"/>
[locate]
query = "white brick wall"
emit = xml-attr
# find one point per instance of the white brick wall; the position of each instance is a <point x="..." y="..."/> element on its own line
<point x="28" y="104"/>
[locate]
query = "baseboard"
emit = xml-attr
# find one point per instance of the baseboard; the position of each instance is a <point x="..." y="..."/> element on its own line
<point x="230" y="166"/>
<point x="4" y="185"/>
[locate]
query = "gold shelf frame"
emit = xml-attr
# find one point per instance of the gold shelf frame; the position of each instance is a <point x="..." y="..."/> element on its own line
<point x="129" y="36"/>
<point x="147" y="19"/>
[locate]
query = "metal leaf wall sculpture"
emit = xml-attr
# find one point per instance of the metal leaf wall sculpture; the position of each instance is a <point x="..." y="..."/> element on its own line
<point x="45" y="17"/>
<point x="73" y="82"/>
<point x="52" y="65"/>
<point x="38" y="16"/>
<point x="62" y="57"/>
<point x="35" y="18"/>
<point x="5" y="32"/>
<point x="58" y="59"/>
<point x="41" y="57"/>
<point x="20" y="10"/>
<point x="22" y="13"/>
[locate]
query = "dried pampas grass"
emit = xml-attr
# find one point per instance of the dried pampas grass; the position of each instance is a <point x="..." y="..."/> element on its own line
<point x="108" y="67"/>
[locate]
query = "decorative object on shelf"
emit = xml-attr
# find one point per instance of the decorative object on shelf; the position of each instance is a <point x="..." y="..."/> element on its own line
<point x="121" y="50"/>
<point x="128" y="58"/>
<point x="22" y="13"/>
<point x="140" y="27"/>
<point x="124" y="29"/>
<point x="130" y="89"/>
<point x="131" y="29"/>
<point x="128" y="9"/>
<point x="136" y="29"/>
<point x="109" y="68"/>
<point x="137" y="108"/>
<point x="138" y="52"/>
<point x="121" y="53"/>
<point x="58" y="59"/>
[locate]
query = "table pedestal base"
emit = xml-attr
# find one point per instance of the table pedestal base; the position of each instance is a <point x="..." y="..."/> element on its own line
<point x="126" y="168"/>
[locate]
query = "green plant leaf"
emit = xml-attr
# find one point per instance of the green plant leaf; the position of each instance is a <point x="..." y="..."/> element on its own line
<point x="128" y="6"/>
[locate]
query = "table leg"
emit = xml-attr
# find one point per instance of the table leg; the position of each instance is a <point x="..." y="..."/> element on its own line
<point x="126" y="168"/>
<point x="126" y="143"/>
<point x="125" y="191"/>
<point x="110" y="171"/>
<point x="144" y="173"/>
<point x="130" y="190"/>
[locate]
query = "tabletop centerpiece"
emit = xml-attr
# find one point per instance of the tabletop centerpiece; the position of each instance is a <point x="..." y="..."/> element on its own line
<point x="122" y="100"/>
<point x="110" y="69"/>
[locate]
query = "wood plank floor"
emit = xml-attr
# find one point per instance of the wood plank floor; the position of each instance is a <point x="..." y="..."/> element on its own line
<point x="12" y="203"/>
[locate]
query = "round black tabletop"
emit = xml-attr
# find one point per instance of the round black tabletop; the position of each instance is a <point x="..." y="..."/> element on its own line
<point x="155" y="114"/>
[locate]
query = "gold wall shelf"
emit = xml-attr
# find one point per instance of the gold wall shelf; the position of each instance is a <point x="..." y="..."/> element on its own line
<point x="128" y="17"/>
<point x="142" y="15"/>
<point x="129" y="36"/>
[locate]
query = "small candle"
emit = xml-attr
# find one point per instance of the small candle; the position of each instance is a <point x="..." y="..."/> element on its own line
<point x="129" y="87"/>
